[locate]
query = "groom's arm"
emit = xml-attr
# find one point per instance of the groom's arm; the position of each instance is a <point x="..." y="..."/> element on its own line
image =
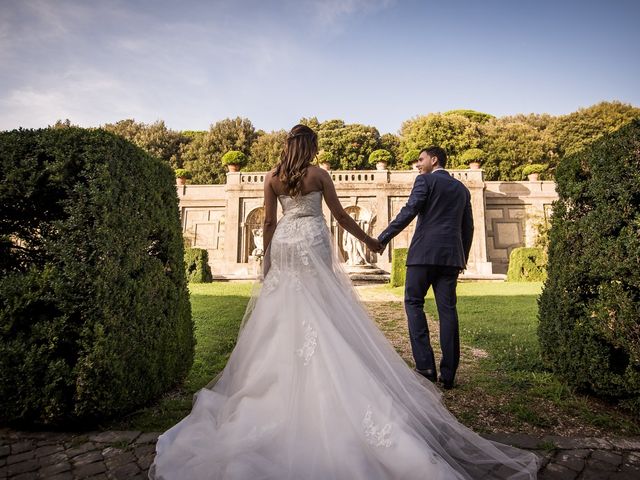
<point x="414" y="205"/>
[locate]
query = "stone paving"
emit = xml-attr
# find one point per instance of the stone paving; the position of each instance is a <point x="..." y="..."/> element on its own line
<point x="127" y="455"/>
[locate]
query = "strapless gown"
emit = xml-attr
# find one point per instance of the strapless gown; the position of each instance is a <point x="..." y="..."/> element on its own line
<point x="313" y="389"/>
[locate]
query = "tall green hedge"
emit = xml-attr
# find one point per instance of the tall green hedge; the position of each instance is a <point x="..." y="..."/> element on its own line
<point x="398" y="266"/>
<point x="590" y="306"/>
<point x="196" y="261"/>
<point x="95" y="318"/>
<point x="527" y="264"/>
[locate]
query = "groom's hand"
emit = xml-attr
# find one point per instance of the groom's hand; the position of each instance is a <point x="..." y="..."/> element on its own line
<point x="382" y="246"/>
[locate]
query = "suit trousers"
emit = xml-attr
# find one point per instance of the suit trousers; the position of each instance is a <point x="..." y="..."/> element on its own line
<point x="443" y="279"/>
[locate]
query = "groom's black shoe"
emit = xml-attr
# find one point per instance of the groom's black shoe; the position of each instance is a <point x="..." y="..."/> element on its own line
<point x="428" y="374"/>
<point x="446" y="384"/>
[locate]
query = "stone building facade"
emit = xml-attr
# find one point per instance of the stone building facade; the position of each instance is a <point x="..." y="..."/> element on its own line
<point x="226" y="219"/>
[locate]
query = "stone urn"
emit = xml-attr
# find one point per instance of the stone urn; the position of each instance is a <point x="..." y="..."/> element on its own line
<point x="381" y="166"/>
<point x="474" y="165"/>
<point x="233" y="167"/>
<point x="181" y="180"/>
<point x="325" y="166"/>
<point x="533" y="177"/>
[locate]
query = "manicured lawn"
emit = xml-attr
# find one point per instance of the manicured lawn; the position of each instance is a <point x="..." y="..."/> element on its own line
<point x="502" y="383"/>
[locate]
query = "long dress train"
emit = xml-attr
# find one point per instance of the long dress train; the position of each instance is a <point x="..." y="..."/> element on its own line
<point x="313" y="389"/>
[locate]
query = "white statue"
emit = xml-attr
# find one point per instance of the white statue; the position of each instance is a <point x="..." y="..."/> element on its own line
<point x="258" y="241"/>
<point x="354" y="247"/>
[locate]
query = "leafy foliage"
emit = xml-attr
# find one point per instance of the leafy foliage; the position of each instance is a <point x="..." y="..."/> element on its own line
<point x="398" y="266"/>
<point x="196" y="261"/>
<point x="266" y="150"/>
<point x="234" y="157"/>
<point x="202" y="156"/>
<point x="533" y="168"/>
<point x="380" y="155"/>
<point x="349" y="144"/>
<point x="95" y="317"/>
<point x="472" y="155"/>
<point x="155" y="139"/>
<point x="454" y="133"/>
<point x="590" y="305"/>
<point x="527" y="264"/>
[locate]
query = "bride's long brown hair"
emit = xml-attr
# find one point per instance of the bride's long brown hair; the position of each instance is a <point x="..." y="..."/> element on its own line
<point x="299" y="151"/>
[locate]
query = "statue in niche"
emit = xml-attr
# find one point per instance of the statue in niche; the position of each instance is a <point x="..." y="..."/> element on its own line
<point x="258" y="241"/>
<point x="353" y="247"/>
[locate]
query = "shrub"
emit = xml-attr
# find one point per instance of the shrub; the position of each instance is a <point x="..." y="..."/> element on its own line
<point x="411" y="156"/>
<point x="234" y="157"/>
<point x="398" y="266"/>
<point x="182" y="173"/>
<point x="380" y="155"/>
<point x="95" y="318"/>
<point x="472" y="155"/>
<point x="527" y="265"/>
<point x="196" y="261"/>
<point x="533" y="168"/>
<point x="590" y="305"/>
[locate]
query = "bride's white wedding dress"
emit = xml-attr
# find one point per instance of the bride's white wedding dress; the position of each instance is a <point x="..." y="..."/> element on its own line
<point x="313" y="390"/>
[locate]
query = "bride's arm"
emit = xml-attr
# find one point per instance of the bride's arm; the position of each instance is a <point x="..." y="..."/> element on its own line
<point x="342" y="217"/>
<point x="270" y="212"/>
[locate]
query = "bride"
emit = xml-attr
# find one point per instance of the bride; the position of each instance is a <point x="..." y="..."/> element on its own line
<point x="313" y="390"/>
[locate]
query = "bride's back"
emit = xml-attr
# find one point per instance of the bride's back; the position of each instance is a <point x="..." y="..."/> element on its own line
<point x="311" y="182"/>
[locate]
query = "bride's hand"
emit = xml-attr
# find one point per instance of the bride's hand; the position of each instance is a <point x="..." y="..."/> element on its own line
<point x="373" y="244"/>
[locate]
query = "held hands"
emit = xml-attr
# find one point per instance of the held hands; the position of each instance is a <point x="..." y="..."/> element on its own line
<point x="374" y="245"/>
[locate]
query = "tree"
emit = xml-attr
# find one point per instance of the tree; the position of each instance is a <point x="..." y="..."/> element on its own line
<point x="202" y="156"/>
<point x="156" y="139"/>
<point x="455" y="133"/>
<point x="511" y="146"/>
<point x="576" y="130"/>
<point x="349" y="144"/>
<point x="473" y="115"/>
<point x="266" y="150"/>
<point x="391" y="143"/>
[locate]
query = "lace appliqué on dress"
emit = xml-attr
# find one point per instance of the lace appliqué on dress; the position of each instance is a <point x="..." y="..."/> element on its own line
<point x="310" y="343"/>
<point x="376" y="436"/>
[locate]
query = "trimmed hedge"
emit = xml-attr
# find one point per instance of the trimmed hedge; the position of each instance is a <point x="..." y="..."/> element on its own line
<point x="590" y="307"/>
<point x="95" y="318"/>
<point x="398" y="267"/>
<point x="196" y="261"/>
<point x="527" y="264"/>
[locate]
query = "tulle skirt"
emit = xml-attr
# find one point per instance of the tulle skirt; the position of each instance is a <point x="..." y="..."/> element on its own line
<point x="313" y="390"/>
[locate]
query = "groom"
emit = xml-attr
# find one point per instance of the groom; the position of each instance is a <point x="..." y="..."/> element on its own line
<point x="438" y="252"/>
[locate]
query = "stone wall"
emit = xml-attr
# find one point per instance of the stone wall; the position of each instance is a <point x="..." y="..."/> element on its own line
<point x="224" y="218"/>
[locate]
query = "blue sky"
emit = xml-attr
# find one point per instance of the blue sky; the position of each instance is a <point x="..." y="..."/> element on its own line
<point x="377" y="62"/>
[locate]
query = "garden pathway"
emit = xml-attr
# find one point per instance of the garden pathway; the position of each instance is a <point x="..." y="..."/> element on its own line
<point x="127" y="455"/>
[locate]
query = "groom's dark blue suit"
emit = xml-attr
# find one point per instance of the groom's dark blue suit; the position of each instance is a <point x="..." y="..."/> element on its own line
<point x="439" y="250"/>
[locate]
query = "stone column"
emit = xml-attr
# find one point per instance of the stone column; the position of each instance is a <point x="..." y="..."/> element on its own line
<point x="232" y="219"/>
<point x="478" y="263"/>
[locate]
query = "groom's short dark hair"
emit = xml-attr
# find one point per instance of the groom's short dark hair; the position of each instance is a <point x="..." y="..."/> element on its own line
<point x="437" y="152"/>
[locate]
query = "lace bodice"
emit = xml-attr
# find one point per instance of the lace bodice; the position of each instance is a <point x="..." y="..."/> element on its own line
<point x="309" y="205"/>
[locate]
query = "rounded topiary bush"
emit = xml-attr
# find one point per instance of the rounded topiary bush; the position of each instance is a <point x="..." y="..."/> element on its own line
<point x="95" y="318"/>
<point x="590" y="307"/>
<point x="411" y="156"/>
<point x="527" y="264"/>
<point x="196" y="261"/>
<point x="398" y="267"/>
<point x="234" y="157"/>
<point x="380" y="155"/>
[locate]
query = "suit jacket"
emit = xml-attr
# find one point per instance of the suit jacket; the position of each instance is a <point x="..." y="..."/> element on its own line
<point x="445" y="222"/>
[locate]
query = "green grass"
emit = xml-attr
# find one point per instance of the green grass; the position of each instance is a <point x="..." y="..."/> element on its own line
<point x="499" y="321"/>
<point x="503" y="384"/>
